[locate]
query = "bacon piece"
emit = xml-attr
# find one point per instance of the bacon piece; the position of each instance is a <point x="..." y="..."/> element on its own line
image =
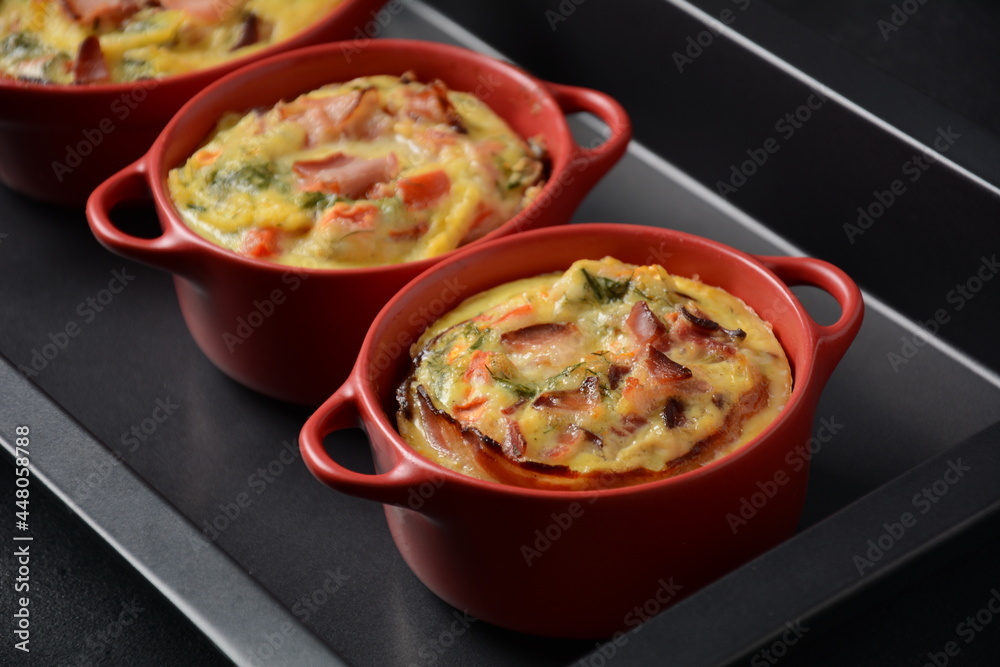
<point x="586" y="396"/>
<point x="692" y="385"/>
<point x="643" y="397"/>
<point x="89" y="66"/>
<point x="432" y="103"/>
<point x="555" y="452"/>
<point x="615" y="374"/>
<point x="443" y="434"/>
<point x="630" y="424"/>
<point x="664" y="369"/>
<point x="112" y="12"/>
<point x="321" y="118"/>
<point x="513" y="443"/>
<point x="380" y="191"/>
<point x="570" y="441"/>
<point x="249" y="32"/>
<point x="345" y="175"/>
<point x="673" y="413"/>
<point x="644" y="325"/>
<point x="210" y="11"/>
<point x="538" y="335"/>
<point x="329" y="117"/>
<point x="355" y="123"/>
<point x="574" y="435"/>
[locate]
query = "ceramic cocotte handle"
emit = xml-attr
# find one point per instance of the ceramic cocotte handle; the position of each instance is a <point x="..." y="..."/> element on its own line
<point x="343" y="410"/>
<point x="832" y="340"/>
<point x="590" y="163"/>
<point x="170" y="251"/>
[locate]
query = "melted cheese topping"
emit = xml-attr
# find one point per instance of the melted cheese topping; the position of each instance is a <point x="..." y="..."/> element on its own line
<point x="378" y="170"/>
<point x="606" y="375"/>
<point x="43" y="40"/>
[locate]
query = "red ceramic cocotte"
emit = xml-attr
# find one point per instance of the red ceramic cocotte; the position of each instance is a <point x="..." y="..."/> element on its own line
<point x="584" y="564"/>
<point x="294" y="333"/>
<point x="58" y="142"/>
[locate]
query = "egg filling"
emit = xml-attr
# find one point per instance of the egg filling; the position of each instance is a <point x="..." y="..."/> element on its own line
<point x="377" y="170"/>
<point x="114" y="41"/>
<point x="606" y="375"/>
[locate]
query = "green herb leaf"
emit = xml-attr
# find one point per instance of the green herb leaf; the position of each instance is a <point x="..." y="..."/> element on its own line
<point x="606" y="289"/>
<point x="251" y="177"/>
<point x="615" y="289"/>
<point x="594" y="286"/>
<point x="314" y="200"/>
<point x="20" y="45"/>
<point x="520" y="390"/>
<point x="523" y="391"/>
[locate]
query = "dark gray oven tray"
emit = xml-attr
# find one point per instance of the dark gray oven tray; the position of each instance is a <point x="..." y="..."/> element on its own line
<point x="198" y="483"/>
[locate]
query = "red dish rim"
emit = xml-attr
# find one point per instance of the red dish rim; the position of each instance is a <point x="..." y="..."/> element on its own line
<point x="361" y="392"/>
<point x="314" y="30"/>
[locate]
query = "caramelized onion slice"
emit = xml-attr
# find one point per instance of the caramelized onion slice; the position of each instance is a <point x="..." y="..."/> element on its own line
<point x="673" y="413"/>
<point x="664" y="369"/>
<point x="586" y="396"/>
<point x="711" y="326"/>
<point x="89" y="66"/>
<point x="538" y="335"/>
<point x="249" y="32"/>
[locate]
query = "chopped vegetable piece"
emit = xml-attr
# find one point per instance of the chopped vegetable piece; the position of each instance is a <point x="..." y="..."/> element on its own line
<point x="260" y="242"/>
<point x="423" y="190"/>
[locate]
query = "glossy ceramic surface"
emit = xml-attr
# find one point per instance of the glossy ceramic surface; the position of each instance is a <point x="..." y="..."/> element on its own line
<point x="586" y="564"/>
<point x="294" y="333"/>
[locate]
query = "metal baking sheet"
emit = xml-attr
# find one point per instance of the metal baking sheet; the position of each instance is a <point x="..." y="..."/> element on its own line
<point x="133" y="416"/>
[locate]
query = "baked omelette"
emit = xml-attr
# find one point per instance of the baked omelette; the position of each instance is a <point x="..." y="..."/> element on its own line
<point x="606" y="375"/>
